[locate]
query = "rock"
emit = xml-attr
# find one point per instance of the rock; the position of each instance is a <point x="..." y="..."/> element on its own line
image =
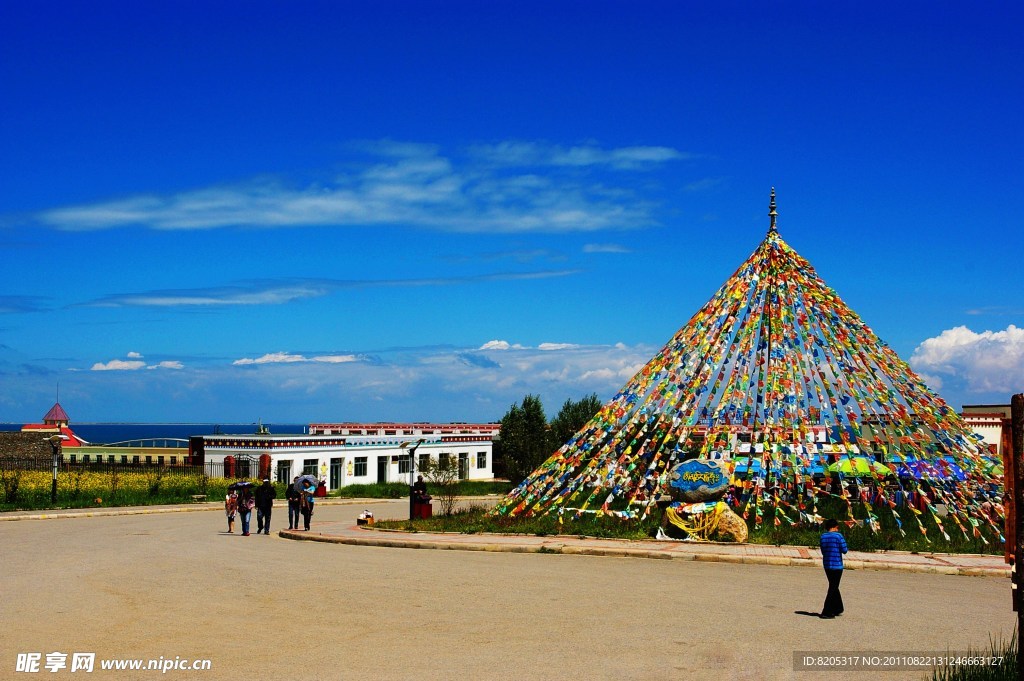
<point x="698" y="480"/>
<point x="731" y="527"/>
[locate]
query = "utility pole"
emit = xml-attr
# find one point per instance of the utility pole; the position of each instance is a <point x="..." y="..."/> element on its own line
<point x="1017" y="528"/>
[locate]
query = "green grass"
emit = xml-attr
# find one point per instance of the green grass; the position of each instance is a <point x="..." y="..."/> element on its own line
<point x="1005" y="670"/>
<point x="398" y="490"/>
<point x="887" y="538"/>
<point x="477" y="519"/>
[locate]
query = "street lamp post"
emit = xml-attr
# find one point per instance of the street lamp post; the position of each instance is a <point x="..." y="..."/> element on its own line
<point x="412" y="473"/>
<point x="55" y="449"/>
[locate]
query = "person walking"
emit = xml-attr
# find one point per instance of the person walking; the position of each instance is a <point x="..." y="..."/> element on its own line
<point x="294" y="496"/>
<point x="833" y="546"/>
<point x="246" y="502"/>
<point x="230" y="507"/>
<point x="265" y="495"/>
<point x="308" y="496"/>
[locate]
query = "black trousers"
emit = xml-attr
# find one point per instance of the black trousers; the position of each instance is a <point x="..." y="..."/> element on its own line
<point x="833" y="599"/>
<point x="263" y="518"/>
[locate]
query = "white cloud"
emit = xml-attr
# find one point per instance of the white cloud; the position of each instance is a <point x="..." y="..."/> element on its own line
<point x="134" y="363"/>
<point x="990" y="361"/>
<point x="410" y="185"/>
<point x="556" y="346"/>
<point x="119" y="365"/>
<point x="448" y="384"/>
<point x="288" y="358"/>
<point x="167" y="364"/>
<point x="496" y="345"/>
<point x="271" y="358"/>
<point x="336" y="359"/>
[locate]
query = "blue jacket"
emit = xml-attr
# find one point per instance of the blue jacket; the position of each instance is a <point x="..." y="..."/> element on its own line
<point x="833" y="546"/>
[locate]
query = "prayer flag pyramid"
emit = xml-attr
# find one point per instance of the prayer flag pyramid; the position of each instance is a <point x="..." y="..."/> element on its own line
<point x="777" y="376"/>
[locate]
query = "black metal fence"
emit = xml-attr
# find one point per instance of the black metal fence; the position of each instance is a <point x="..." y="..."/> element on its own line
<point x="242" y="468"/>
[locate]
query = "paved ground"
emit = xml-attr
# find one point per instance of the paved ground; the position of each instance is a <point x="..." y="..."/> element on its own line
<point x="173" y="584"/>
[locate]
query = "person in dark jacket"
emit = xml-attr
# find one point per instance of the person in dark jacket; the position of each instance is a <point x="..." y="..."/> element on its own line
<point x="833" y="546"/>
<point x="294" y="497"/>
<point x="265" y="496"/>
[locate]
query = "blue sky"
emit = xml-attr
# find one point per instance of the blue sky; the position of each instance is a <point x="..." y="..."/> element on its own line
<point x="303" y="211"/>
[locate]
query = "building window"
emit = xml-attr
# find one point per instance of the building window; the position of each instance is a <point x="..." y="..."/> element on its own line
<point x="442" y="460"/>
<point x="360" y="467"/>
<point x="424" y="461"/>
<point x="309" y="466"/>
<point x="135" y="459"/>
<point x="174" y="460"/>
<point x="284" y="471"/>
<point x="481" y="459"/>
<point x="74" y="458"/>
<point x="149" y="459"/>
<point x="160" y="460"/>
<point x="124" y="458"/>
<point x="85" y="458"/>
<point x="404" y="464"/>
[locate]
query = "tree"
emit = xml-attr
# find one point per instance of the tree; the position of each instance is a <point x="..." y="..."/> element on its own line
<point x="524" y="442"/>
<point x="571" y="418"/>
<point x="443" y="474"/>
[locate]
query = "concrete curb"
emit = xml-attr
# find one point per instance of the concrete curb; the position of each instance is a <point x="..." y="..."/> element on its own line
<point x="60" y="514"/>
<point x="624" y="552"/>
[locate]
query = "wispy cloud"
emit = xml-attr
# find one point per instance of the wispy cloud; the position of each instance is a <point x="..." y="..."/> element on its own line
<point x="605" y="248"/>
<point x="476" y="383"/>
<point x="997" y="310"/>
<point x="278" y="292"/>
<point x="14" y="303"/>
<point x="256" y="293"/>
<point x="490" y="189"/>
<point x="536" y="154"/>
<point x="703" y="185"/>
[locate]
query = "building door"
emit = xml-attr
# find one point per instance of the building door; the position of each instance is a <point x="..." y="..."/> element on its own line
<point x="284" y="471"/>
<point x="382" y="469"/>
<point x="463" y="465"/>
<point x="337" y="466"/>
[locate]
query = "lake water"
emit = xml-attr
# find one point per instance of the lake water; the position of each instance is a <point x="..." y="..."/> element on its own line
<point x="109" y="433"/>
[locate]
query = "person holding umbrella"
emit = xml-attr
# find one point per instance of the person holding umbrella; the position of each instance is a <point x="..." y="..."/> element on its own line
<point x="246" y="502"/>
<point x="307" y="484"/>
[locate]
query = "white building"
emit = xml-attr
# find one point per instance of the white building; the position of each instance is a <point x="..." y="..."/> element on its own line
<point x="346" y="454"/>
<point x="992" y="423"/>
